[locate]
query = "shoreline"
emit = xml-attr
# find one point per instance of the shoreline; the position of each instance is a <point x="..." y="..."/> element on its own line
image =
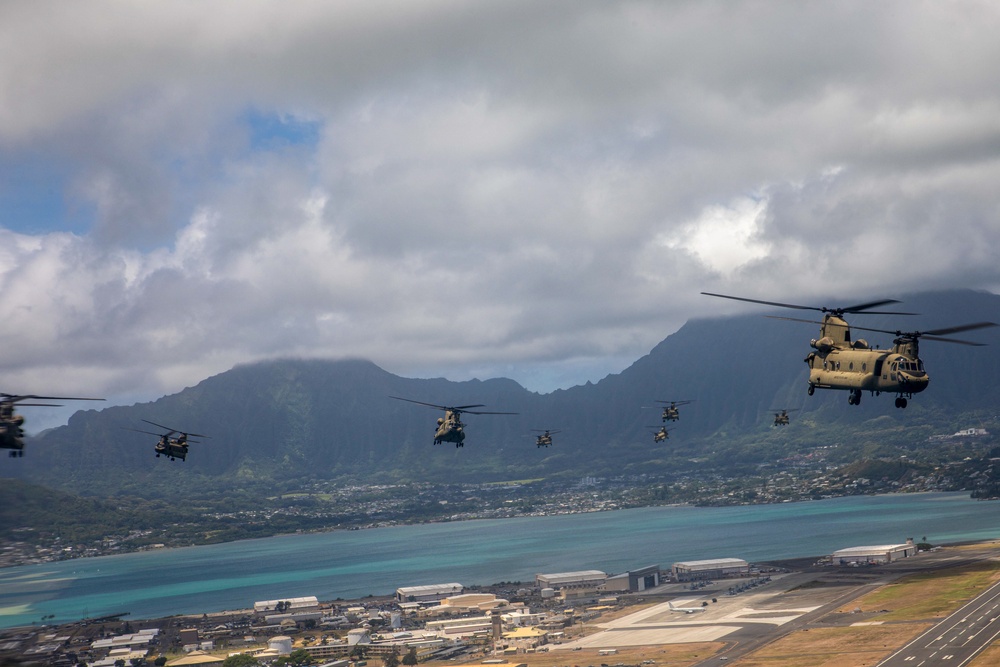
<point x="11" y="546"/>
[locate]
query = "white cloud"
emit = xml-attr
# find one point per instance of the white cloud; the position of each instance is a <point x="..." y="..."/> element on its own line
<point x="532" y="189"/>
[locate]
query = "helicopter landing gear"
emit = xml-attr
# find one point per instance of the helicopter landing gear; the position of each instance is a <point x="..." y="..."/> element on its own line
<point x="900" y="402"/>
<point x="854" y="398"/>
<point x="811" y="390"/>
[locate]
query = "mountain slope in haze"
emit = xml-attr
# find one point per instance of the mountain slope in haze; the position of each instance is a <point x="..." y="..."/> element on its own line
<point x="289" y="421"/>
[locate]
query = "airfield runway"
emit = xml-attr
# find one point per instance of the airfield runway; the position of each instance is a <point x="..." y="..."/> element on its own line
<point x="752" y="613"/>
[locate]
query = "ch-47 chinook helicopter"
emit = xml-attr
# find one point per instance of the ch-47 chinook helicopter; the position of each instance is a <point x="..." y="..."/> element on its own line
<point x="781" y="416"/>
<point x="661" y="435"/>
<point x="545" y="439"/>
<point x="670" y="410"/>
<point x="450" y="428"/>
<point x="11" y="431"/>
<point x="851" y="365"/>
<point x="169" y="446"/>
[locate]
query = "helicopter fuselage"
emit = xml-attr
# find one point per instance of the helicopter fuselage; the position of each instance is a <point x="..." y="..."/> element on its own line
<point x="840" y="363"/>
<point x="450" y="429"/>
<point x="11" y="438"/>
<point x="172" y="448"/>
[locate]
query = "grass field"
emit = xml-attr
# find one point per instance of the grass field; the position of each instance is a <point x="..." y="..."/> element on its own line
<point x="929" y="595"/>
<point x="834" y="647"/>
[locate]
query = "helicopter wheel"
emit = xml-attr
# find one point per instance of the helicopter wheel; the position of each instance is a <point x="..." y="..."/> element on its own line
<point x="900" y="402"/>
<point x="811" y="390"/>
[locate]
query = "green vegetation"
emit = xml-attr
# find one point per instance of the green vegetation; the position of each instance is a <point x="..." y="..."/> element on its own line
<point x="931" y="594"/>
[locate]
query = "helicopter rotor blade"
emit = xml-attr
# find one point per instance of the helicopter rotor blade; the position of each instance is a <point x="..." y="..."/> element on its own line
<point x="172" y="430"/>
<point x="766" y="303"/>
<point x="484" y="412"/>
<point x="858" y="308"/>
<point x="934" y="334"/>
<point x="17" y="398"/>
<point x="160" y="435"/>
<point x="960" y="328"/>
<point x="455" y="408"/>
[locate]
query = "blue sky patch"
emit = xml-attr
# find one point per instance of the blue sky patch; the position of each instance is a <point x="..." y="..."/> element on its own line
<point x="274" y="131"/>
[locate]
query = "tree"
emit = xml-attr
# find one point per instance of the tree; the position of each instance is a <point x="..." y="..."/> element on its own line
<point x="297" y="658"/>
<point x="411" y="657"/>
<point x="391" y="660"/>
<point x="240" y="660"/>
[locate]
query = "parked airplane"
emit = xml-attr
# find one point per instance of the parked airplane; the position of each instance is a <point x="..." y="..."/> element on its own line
<point x="685" y="610"/>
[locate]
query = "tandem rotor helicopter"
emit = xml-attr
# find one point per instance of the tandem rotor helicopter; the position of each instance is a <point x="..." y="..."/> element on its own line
<point x="851" y="365"/>
<point x="781" y="417"/>
<point x="11" y="431"/>
<point x="661" y="435"/>
<point x="545" y="439"/>
<point x="670" y="410"/>
<point x="450" y="428"/>
<point x="169" y="446"/>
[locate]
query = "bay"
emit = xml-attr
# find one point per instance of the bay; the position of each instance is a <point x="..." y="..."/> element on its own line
<point x="354" y="564"/>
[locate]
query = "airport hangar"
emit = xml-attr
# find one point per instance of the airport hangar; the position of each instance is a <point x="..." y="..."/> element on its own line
<point x="428" y="593"/>
<point x="716" y="568"/>
<point x="881" y="553"/>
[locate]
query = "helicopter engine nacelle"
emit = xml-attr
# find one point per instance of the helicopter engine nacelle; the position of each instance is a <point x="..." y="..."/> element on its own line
<point x="824" y="344"/>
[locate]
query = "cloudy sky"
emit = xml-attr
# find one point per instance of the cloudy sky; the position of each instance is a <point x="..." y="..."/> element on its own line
<point x="536" y="190"/>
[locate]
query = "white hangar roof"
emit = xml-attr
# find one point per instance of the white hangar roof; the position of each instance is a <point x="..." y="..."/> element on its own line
<point x="712" y="564"/>
<point x="562" y="577"/>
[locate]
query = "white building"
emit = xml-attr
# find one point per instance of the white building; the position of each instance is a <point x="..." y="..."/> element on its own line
<point x="588" y="579"/>
<point x="428" y="592"/>
<point x="877" y="554"/>
<point x="715" y="568"/>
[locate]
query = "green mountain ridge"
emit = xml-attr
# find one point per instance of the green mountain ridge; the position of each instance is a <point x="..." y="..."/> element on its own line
<point x="292" y="421"/>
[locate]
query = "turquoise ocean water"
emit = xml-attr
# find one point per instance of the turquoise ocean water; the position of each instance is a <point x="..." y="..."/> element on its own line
<point x="353" y="564"/>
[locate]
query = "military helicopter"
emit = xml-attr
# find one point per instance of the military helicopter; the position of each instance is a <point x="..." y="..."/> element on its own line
<point x="450" y="427"/>
<point x="670" y="411"/>
<point x="781" y="417"/>
<point x="545" y="439"/>
<point x="661" y="435"/>
<point x="11" y="431"/>
<point x="172" y="448"/>
<point x="851" y="365"/>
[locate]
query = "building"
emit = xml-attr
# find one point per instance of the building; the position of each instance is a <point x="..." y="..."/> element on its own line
<point x="427" y="593"/>
<point x="287" y="605"/>
<point x="872" y="555"/>
<point x="634" y="580"/>
<point x="585" y="579"/>
<point x="461" y="627"/>
<point x="716" y="568"/>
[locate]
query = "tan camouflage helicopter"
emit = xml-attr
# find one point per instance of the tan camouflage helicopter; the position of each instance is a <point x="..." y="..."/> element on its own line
<point x="670" y="411"/>
<point x="450" y="428"/>
<point x="167" y="445"/>
<point x="545" y="439"/>
<point x="661" y="435"/>
<point x="851" y="365"/>
<point x="781" y="416"/>
<point x="11" y="431"/>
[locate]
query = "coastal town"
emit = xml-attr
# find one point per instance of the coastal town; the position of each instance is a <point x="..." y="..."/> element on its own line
<point x="325" y="506"/>
<point x="682" y="614"/>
